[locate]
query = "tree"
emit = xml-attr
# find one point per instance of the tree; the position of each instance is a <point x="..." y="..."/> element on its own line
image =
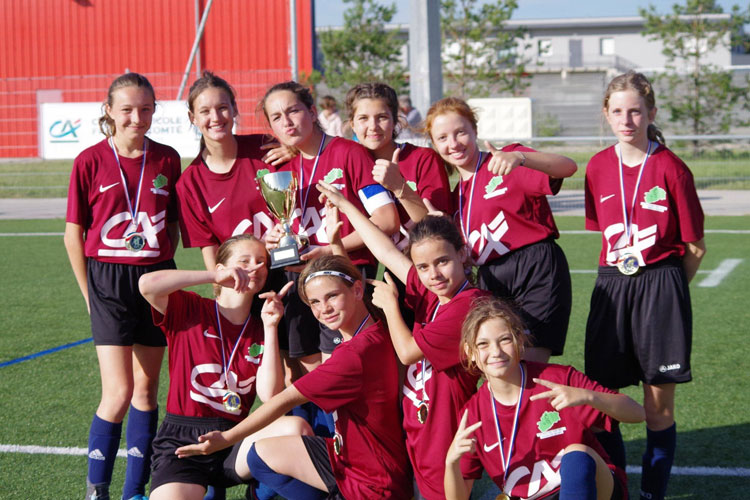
<point x="362" y="50"/>
<point x="701" y="95"/>
<point x="480" y="55"/>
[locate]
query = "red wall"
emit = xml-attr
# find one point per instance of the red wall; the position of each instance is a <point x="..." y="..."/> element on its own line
<point x="80" y="46"/>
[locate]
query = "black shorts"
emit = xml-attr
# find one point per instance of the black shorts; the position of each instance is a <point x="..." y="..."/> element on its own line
<point x="304" y="334"/>
<point x="640" y="328"/>
<point x="318" y="451"/>
<point x="216" y="469"/>
<point x="119" y="314"/>
<point x="536" y="279"/>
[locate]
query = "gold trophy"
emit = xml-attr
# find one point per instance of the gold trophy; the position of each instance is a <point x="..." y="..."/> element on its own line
<point x="279" y="190"/>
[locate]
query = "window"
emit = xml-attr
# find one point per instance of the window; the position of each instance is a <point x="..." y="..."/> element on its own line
<point x="607" y="46"/>
<point x="544" y="47"/>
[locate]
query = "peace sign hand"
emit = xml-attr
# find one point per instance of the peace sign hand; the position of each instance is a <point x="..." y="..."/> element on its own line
<point x="273" y="307"/>
<point x="560" y="395"/>
<point x="462" y="442"/>
<point x="502" y="162"/>
<point x="387" y="174"/>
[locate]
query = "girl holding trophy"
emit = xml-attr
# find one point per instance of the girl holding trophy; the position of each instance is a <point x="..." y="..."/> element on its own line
<point x="217" y="192"/>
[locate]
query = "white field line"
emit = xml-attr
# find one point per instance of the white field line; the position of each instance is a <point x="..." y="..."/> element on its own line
<point x="32" y="234"/>
<point x="631" y="469"/>
<point x="717" y="275"/>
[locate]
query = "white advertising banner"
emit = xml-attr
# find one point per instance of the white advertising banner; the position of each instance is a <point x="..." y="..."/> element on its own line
<point x="68" y="128"/>
<point x="503" y="118"/>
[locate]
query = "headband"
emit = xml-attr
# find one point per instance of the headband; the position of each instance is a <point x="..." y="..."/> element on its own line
<point x="326" y="272"/>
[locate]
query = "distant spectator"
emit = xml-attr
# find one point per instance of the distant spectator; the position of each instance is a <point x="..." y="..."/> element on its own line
<point x="413" y="119"/>
<point x="329" y="118"/>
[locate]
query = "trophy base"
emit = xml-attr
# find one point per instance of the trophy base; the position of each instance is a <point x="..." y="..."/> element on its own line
<point x="285" y="256"/>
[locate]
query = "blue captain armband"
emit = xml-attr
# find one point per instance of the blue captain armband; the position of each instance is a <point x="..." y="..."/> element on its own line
<point x="374" y="196"/>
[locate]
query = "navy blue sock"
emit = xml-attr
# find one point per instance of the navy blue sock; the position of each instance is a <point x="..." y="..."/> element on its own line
<point x="285" y="486"/>
<point x="140" y="432"/>
<point x="657" y="462"/>
<point x="215" y="493"/>
<point x="104" y="440"/>
<point x="577" y="476"/>
<point x="614" y="445"/>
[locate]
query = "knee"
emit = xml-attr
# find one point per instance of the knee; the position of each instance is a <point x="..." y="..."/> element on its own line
<point x="658" y="418"/>
<point x="115" y="403"/>
<point x="298" y="426"/>
<point x="144" y="396"/>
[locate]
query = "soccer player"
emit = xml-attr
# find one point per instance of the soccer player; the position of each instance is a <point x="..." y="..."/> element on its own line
<point x="529" y="425"/>
<point x="642" y="198"/>
<point x="121" y="223"/>
<point x="501" y="205"/>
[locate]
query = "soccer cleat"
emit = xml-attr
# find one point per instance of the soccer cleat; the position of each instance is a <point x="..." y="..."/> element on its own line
<point x="97" y="491"/>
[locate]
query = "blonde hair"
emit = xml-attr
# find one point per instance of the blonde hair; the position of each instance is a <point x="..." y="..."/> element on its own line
<point x="484" y="309"/>
<point x="224" y="253"/>
<point x="638" y="83"/>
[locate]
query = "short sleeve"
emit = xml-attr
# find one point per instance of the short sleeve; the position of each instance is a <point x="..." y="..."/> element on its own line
<point x="533" y="181"/>
<point x="592" y="220"/>
<point x="590" y="417"/>
<point x="175" y="172"/>
<point x="433" y="181"/>
<point x="336" y="382"/>
<point x="439" y="339"/>
<point x="689" y="211"/>
<point x="195" y="231"/>
<point x="183" y="310"/>
<point x="78" y="188"/>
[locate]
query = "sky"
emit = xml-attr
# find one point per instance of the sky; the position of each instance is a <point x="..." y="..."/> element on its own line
<point x="330" y="12"/>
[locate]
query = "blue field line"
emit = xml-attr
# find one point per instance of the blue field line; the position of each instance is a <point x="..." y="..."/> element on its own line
<point x="45" y="352"/>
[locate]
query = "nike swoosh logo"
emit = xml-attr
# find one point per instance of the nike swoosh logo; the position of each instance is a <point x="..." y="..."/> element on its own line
<point x="213" y="209"/>
<point x="602" y="199"/>
<point x="104" y="188"/>
<point x="209" y="335"/>
<point x="488" y="449"/>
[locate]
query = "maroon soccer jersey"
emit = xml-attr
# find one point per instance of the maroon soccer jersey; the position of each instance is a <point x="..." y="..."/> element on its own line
<point x="359" y="384"/>
<point x="348" y="167"/>
<point x="214" y="207"/>
<point x="542" y="433"/>
<point x="196" y="376"/>
<point x="446" y="383"/>
<point x="667" y="211"/>
<point x="97" y="202"/>
<point x="505" y="212"/>
<point x="423" y="171"/>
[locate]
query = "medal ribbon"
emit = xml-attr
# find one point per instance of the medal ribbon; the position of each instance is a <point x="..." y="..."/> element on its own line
<point x="125" y="184"/>
<point x="629" y="221"/>
<point x="466" y="228"/>
<point x="506" y="461"/>
<point x="425" y="397"/>
<point x="303" y="201"/>
<point x="361" y="325"/>
<point x="224" y="364"/>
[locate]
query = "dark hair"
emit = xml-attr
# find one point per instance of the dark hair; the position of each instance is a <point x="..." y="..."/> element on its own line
<point x="225" y="252"/>
<point x="484" y="309"/>
<point x="375" y="90"/>
<point x="206" y="81"/>
<point x="434" y="226"/>
<point x="106" y="123"/>
<point x="342" y="265"/>
<point x="642" y="86"/>
<point x="327" y="102"/>
<point x="303" y="94"/>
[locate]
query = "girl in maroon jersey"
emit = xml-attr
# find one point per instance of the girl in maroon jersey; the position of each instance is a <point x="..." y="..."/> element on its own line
<point x="217" y="192"/>
<point x="358" y="383"/>
<point x="437" y="290"/>
<point x="121" y="223"/>
<point x="292" y="116"/>
<point x="529" y="425"/>
<point x="642" y="198"/>
<point x="501" y="206"/>
<point x="221" y="352"/>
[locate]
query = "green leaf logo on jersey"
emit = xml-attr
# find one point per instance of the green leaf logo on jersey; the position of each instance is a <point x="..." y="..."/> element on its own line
<point x="160" y="181"/>
<point x="334" y="174"/>
<point x="255" y="350"/>
<point x="493" y="184"/>
<point x="261" y="173"/>
<point x="549" y="418"/>
<point x="656" y="194"/>
<point x="412" y="185"/>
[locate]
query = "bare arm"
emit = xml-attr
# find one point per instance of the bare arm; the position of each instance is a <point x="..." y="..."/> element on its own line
<point x="384" y="218"/>
<point x="376" y="240"/>
<point x="388" y="175"/>
<point x="209" y="256"/>
<point x="694" y="253"/>
<point x="618" y="406"/>
<point x="554" y="165"/>
<point x="385" y="296"/>
<point x="270" y="377"/>
<point x="214" y="441"/>
<point x="74" y="245"/>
